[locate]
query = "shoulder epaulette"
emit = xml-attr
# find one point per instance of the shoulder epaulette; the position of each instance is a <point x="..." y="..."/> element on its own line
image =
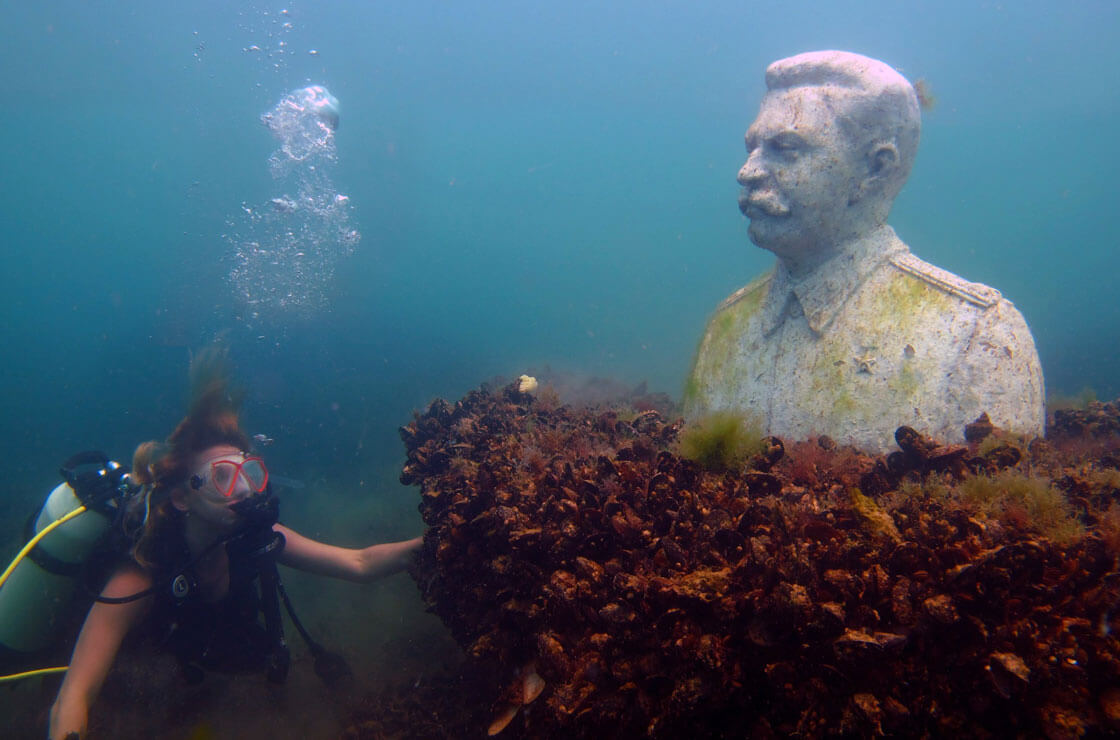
<point x="755" y="285"/>
<point x="975" y="293"/>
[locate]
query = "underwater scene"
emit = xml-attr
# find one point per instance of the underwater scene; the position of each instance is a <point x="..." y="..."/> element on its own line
<point x="710" y="369"/>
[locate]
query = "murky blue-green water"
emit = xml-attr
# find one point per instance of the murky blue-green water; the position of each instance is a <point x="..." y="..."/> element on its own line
<point x="535" y="184"/>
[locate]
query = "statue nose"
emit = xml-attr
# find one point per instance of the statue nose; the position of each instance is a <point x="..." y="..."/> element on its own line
<point x="751" y="171"/>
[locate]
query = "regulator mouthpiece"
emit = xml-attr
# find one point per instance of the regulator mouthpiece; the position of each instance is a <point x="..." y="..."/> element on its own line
<point x="259" y="510"/>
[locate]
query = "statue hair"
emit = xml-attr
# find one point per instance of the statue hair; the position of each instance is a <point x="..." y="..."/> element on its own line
<point x="872" y="101"/>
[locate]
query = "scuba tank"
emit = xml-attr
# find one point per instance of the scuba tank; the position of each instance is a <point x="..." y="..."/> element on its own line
<point x="37" y="587"/>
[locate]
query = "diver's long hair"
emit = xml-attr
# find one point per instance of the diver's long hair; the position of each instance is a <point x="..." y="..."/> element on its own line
<point x="152" y="522"/>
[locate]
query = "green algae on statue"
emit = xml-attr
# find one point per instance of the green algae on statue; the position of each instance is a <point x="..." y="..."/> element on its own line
<point x="850" y="334"/>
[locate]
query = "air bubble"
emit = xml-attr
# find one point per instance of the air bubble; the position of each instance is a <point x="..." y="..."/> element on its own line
<point x="284" y="256"/>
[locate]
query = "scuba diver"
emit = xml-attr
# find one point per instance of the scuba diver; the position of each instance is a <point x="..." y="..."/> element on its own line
<point x="200" y="532"/>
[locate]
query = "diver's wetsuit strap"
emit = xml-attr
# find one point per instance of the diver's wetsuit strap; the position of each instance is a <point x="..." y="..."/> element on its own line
<point x="258" y="545"/>
<point x="280" y="659"/>
<point x="178" y="592"/>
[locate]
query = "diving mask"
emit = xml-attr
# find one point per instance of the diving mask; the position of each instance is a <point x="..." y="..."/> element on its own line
<point x="225" y="472"/>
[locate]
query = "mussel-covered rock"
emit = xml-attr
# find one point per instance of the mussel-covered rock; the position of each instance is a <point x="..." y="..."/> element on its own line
<point x="577" y="557"/>
<point x="978" y="430"/>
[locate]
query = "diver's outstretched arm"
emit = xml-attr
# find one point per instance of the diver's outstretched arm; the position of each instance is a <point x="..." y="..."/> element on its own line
<point x="104" y="628"/>
<point x="365" y="564"/>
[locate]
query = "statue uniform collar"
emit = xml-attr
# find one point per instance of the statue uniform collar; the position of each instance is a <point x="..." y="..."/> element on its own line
<point x="821" y="294"/>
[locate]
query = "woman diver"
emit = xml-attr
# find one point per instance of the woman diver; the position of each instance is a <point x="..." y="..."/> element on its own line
<point x="200" y="532"/>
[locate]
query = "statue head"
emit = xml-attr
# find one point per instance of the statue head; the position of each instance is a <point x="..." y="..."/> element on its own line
<point x="832" y="146"/>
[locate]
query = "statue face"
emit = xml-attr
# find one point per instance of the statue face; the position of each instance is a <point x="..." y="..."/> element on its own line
<point x="802" y="175"/>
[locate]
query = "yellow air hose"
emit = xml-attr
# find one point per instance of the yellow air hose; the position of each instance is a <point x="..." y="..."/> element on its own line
<point x="35" y="541"/>
<point x="37" y="672"/>
<point x="8" y="572"/>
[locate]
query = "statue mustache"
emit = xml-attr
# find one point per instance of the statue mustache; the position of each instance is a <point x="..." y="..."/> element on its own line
<point x="765" y="203"/>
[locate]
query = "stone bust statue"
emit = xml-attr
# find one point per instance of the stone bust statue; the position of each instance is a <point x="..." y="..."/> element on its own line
<point x="850" y="334"/>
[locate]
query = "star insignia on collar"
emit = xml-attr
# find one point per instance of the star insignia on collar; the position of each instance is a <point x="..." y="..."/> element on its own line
<point x="865" y="364"/>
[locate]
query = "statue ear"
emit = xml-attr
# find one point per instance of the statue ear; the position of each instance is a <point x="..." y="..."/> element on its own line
<point x="882" y="162"/>
<point x="883" y="159"/>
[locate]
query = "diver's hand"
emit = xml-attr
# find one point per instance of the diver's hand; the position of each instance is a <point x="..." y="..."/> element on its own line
<point x="413" y="549"/>
<point x="362" y="565"/>
<point x="390" y="557"/>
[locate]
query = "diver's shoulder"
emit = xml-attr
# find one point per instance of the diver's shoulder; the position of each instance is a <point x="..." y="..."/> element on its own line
<point x="977" y="294"/>
<point x="756" y="287"/>
<point x="128" y="578"/>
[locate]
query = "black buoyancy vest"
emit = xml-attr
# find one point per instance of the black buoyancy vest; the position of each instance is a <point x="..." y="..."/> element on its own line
<point x="224" y="635"/>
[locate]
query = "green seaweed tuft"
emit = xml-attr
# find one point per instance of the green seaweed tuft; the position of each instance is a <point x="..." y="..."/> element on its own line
<point x="1028" y="501"/>
<point x="1080" y="401"/>
<point x="723" y="440"/>
<point x="876" y="519"/>
<point x="999" y="439"/>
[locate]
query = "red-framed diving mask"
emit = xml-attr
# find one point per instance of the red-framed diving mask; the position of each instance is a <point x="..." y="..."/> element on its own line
<point x="225" y="473"/>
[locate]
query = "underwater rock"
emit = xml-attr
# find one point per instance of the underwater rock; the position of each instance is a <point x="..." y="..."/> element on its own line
<point x="1097" y="419"/>
<point x="977" y="430"/>
<point x="584" y="566"/>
